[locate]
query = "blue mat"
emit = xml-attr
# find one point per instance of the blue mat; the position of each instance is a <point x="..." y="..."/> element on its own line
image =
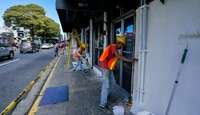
<point x="55" y="95"/>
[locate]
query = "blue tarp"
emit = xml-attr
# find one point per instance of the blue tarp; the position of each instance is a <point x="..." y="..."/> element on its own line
<point x="55" y="95"/>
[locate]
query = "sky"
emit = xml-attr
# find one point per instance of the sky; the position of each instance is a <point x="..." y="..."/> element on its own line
<point x="48" y="5"/>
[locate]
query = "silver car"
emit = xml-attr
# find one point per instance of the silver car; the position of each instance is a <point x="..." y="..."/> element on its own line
<point x="28" y="47"/>
<point x="5" y="51"/>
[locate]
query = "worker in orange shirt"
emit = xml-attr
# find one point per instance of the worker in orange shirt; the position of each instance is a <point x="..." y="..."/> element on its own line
<point x="78" y="55"/>
<point x="108" y="60"/>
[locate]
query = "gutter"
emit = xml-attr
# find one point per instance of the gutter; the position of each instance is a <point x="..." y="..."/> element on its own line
<point x="142" y="53"/>
<point x="139" y="102"/>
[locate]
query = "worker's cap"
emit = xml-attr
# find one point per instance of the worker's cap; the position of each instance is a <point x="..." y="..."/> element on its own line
<point x="83" y="46"/>
<point x="121" y="39"/>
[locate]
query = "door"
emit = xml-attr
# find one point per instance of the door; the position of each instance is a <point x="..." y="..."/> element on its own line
<point x="128" y="51"/>
<point x="98" y="42"/>
<point x="3" y="51"/>
<point x="87" y="38"/>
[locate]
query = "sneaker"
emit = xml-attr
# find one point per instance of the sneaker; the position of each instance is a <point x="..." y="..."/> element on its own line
<point x="85" y="71"/>
<point x="104" y="109"/>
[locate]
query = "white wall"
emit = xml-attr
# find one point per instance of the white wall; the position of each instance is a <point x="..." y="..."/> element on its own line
<point x="166" y="22"/>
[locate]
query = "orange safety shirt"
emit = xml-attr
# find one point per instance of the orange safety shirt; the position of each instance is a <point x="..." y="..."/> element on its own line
<point x="80" y="50"/>
<point x="108" y="59"/>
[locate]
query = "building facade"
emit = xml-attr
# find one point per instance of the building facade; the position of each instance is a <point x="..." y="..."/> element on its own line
<point x="157" y="32"/>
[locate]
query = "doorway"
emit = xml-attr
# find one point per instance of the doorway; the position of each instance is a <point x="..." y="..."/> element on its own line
<point x="125" y="27"/>
<point x="128" y="51"/>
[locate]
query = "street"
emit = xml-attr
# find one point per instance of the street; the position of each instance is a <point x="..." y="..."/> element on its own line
<point x="17" y="73"/>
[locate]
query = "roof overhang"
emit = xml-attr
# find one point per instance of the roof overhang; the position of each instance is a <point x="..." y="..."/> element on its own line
<point x="76" y="13"/>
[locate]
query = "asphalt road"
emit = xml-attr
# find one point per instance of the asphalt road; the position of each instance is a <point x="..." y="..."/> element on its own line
<point x="17" y="73"/>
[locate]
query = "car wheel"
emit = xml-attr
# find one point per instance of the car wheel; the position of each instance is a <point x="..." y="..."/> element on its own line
<point x="21" y="52"/>
<point x="11" y="55"/>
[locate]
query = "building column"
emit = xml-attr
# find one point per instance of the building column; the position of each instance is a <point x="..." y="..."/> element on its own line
<point x="82" y="35"/>
<point x="91" y="42"/>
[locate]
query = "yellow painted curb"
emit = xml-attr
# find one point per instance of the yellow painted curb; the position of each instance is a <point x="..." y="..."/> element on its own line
<point x="34" y="108"/>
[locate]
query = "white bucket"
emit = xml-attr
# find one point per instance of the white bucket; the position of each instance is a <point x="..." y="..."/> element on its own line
<point x="118" y="110"/>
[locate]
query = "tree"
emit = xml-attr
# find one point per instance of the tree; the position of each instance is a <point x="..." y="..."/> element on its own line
<point x="49" y="28"/>
<point x="31" y="17"/>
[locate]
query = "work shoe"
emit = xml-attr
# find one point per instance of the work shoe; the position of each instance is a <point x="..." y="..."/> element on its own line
<point x="85" y="71"/>
<point x="74" y="69"/>
<point x="105" y="110"/>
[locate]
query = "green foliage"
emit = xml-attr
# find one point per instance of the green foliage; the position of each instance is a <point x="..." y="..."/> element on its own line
<point x="31" y="17"/>
<point x="49" y="28"/>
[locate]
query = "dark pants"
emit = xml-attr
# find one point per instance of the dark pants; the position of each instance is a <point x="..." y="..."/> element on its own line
<point x="56" y="52"/>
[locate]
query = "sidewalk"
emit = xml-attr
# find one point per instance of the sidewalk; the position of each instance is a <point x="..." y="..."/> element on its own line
<point x="84" y="93"/>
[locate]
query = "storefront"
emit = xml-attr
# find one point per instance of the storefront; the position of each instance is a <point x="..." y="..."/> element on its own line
<point x="123" y="25"/>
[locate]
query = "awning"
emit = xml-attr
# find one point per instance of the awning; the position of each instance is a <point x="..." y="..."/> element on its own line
<point x="76" y="13"/>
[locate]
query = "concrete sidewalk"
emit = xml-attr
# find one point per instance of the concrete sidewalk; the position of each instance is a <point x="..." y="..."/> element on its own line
<point x="84" y="93"/>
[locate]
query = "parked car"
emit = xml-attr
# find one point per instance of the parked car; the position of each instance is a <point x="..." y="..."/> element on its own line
<point x="45" y="46"/>
<point x="6" y="51"/>
<point x="51" y="45"/>
<point x="28" y="47"/>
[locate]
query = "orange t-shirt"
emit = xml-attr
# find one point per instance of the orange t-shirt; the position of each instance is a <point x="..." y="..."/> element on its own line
<point x="80" y="50"/>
